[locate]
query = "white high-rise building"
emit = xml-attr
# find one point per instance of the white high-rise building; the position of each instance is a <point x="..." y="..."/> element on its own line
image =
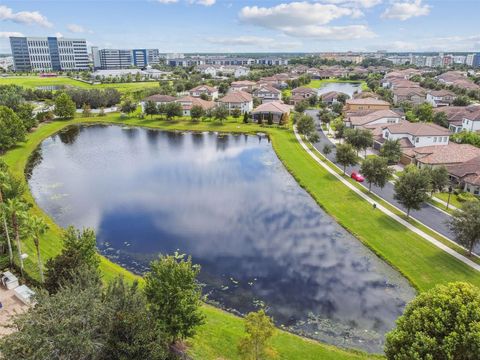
<point x="469" y="60"/>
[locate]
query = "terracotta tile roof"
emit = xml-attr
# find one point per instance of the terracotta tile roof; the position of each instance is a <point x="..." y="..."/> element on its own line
<point x="468" y="171"/>
<point x="444" y="154"/>
<point x="408" y="91"/>
<point x="243" y="83"/>
<point x="366" y="101"/>
<point x="236" y="97"/>
<point x="441" y="93"/>
<point x="189" y="101"/>
<point x="329" y="96"/>
<point x="161" y="98"/>
<point x="364" y="118"/>
<point x="267" y="88"/>
<point x="456" y="114"/>
<point x="272" y="107"/>
<point x="304" y="90"/>
<point x="210" y="89"/>
<point x="418" y="129"/>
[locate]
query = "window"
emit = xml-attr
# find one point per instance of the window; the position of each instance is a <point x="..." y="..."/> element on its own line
<point x="417" y="140"/>
<point x="434" y="139"/>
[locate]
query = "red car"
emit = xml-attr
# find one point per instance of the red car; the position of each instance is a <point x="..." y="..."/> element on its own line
<point x="357" y="177"/>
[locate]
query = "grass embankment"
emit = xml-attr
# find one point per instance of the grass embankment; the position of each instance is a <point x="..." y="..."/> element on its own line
<point x="319" y="83"/>
<point x="220" y="335"/>
<point x="37" y="81"/>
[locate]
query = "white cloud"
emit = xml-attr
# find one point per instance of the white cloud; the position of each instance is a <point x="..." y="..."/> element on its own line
<point x="294" y="14"/>
<point x="24" y="17"/>
<point x="308" y="20"/>
<point x="7" y="34"/>
<point x="254" y="41"/>
<point x="75" y="28"/>
<point x="203" y="2"/>
<point x="406" y="9"/>
<point x="360" y="3"/>
<point x="58" y="34"/>
<point x="167" y="1"/>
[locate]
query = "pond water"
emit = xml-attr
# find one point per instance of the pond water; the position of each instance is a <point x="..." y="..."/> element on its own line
<point x="228" y="201"/>
<point x="344" y="87"/>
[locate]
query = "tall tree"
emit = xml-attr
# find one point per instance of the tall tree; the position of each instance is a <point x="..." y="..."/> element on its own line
<point x="173" y="109"/>
<point x="424" y="112"/>
<point x="346" y="156"/>
<point x="391" y="151"/>
<point x="306" y="125"/>
<point x="16" y="208"/>
<point x="35" y="227"/>
<point x="151" y="108"/>
<point x="440" y="118"/>
<point x="411" y="188"/>
<point x="5" y="186"/>
<point x="128" y="106"/>
<point x="220" y="113"/>
<point x="465" y="224"/>
<point x="360" y="139"/>
<point x="64" y="106"/>
<point x="439" y="178"/>
<point x="196" y="112"/>
<point x="173" y="295"/>
<point x="441" y="323"/>
<point x="259" y="328"/>
<point x="12" y="129"/>
<point x="376" y="171"/>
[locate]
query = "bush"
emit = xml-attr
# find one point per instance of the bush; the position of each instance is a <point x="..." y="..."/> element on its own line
<point x="466" y="196"/>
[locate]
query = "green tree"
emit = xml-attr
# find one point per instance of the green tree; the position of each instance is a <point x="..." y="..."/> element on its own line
<point x="442" y="323"/>
<point x="173" y="109"/>
<point x="12" y="129"/>
<point x="424" y="112"/>
<point x="16" y="208"/>
<point x="360" y="139"/>
<point x="411" y="188"/>
<point x="3" y="211"/>
<point x="35" y="227"/>
<point x="465" y="224"/>
<point x="301" y="106"/>
<point x="342" y="98"/>
<point x="79" y="251"/>
<point x="196" y="112"/>
<point x="376" y="171"/>
<point x="283" y="119"/>
<point x="440" y="118"/>
<point x="25" y="114"/>
<point x="64" y="106"/>
<point x="150" y="108"/>
<point x="173" y="295"/>
<point x="439" y="178"/>
<point x="245" y="117"/>
<point x="338" y="127"/>
<point x="327" y="149"/>
<point x="391" y="151"/>
<point x="346" y="156"/>
<point x="461" y="101"/>
<point x="236" y="113"/>
<point x="86" y="110"/>
<point x="132" y="332"/>
<point x="128" y="106"/>
<point x="68" y="325"/>
<point x="259" y="328"/>
<point x="220" y="113"/>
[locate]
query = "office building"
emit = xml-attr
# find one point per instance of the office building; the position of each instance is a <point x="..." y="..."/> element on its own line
<point x="49" y="54"/>
<point x="476" y="61"/>
<point x="115" y="59"/>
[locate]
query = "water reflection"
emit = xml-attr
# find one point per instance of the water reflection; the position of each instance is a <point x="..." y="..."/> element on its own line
<point x="228" y="202"/>
<point x="344" y="87"/>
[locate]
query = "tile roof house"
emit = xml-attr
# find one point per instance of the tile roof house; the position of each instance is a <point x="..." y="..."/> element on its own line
<point x="330" y="97"/>
<point x="413" y="95"/>
<point x="188" y="102"/>
<point x="237" y="100"/>
<point x="302" y="93"/>
<point x="210" y="91"/>
<point x="365" y="104"/>
<point x="467" y="175"/>
<point x="445" y="155"/>
<point x="243" y="85"/>
<point x="276" y="108"/>
<point x="158" y="99"/>
<point x="456" y="114"/>
<point x="267" y="93"/>
<point x="417" y="134"/>
<point x="438" y="98"/>
<point x="372" y="117"/>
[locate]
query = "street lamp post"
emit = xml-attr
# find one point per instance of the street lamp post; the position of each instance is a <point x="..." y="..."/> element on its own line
<point x="449" y="194"/>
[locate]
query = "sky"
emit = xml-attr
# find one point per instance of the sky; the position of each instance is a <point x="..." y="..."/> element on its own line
<point x="250" y="25"/>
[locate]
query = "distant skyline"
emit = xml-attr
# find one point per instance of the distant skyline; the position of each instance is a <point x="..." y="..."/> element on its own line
<point x="250" y="25"/>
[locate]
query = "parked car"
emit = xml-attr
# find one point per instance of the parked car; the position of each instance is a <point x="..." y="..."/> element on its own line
<point x="357" y="177"/>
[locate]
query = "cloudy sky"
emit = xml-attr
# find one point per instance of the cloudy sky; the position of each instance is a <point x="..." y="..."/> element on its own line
<point x="250" y="25"/>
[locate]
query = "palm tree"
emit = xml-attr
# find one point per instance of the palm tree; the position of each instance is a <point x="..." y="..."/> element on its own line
<point x="4" y="185"/>
<point x="35" y="227"/>
<point x="15" y="208"/>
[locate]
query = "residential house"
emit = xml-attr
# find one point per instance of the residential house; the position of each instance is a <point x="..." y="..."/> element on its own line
<point x="267" y="93"/>
<point x="188" y="102"/>
<point x="416" y="135"/>
<point x="372" y="117"/>
<point x="439" y="98"/>
<point x="456" y="115"/>
<point x="365" y="104"/>
<point x="330" y="97"/>
<point x="415" y="96"/>
<point x="158" y="99"/>
<point x="243" y="85"/>
<point x="302" y="93"/>
<point x="466" y="175"/>
<point x="210" y="91"/>
<point x="237" y="100"/>
<point x="457" y="79"/>
<point x="445" y="155"/>
<point x="471" y="121"/>
<point x="276" y="109"/>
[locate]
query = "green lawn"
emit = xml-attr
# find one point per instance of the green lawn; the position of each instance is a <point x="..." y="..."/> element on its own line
<point x="422" y="263"/>
<point x="318" y="83"/>
<point x="36" y="81"/>
<point x="453" y="199"/>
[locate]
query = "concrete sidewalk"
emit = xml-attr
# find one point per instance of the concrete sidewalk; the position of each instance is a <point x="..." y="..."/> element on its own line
<point x="387" y="211"/>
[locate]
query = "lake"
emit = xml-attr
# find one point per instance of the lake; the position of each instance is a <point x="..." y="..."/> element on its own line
<point x="344" y="87"/>
<point x="227" y="201"/>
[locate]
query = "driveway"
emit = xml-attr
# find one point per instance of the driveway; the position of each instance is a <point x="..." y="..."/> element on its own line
<point x="428" y="215"/>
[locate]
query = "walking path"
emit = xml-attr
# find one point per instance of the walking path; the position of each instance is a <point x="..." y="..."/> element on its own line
<point x="387" y="211"/>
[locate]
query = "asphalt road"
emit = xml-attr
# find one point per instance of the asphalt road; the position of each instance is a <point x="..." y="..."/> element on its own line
<point x="428" y="215"/>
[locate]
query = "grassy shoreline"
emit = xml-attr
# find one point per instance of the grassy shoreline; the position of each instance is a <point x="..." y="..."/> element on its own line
<point x="420" y="262"/>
